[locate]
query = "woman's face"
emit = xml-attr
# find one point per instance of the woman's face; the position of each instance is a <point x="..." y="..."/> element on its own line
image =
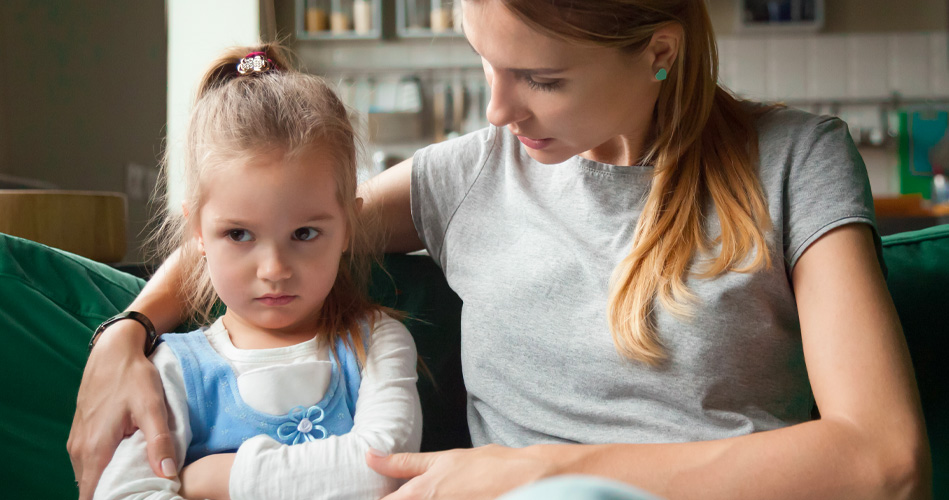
<point x="563" y="99"/>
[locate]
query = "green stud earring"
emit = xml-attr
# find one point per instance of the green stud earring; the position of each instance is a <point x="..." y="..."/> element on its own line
<point x="662" y="74"/>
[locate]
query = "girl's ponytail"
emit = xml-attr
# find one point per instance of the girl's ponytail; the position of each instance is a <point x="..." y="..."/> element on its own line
<point x="224" y="69"/>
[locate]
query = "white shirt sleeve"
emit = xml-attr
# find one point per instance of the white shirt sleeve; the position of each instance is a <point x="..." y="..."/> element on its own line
<point x="388" y="418"/>
<point x="128" y="475"/>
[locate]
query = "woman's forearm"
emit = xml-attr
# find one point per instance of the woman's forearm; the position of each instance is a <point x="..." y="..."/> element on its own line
<point x="159" y="300"/>
<point x="121" y="390"/>
<point x="819" y="459"/>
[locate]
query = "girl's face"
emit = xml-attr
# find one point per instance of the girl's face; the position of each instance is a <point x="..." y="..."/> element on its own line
<point x="273" y="233"/>
<point x="563" y="99"/>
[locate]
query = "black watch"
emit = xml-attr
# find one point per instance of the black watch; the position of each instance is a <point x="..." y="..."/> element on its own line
<point x="151" y="336"/>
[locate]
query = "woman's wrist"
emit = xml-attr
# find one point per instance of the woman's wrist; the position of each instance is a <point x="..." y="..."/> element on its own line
<point x="122" y="336"/>
<point x="560" y="459"/>
<point x="556" y="459"/>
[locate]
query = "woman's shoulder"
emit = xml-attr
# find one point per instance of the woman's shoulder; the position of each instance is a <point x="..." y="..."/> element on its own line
<point x="466" y="150"/>
<point x="779" y="124"/>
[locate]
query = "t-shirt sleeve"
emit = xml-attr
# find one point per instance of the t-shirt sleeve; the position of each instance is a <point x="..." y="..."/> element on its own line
<point x="827" y="187"/>
<point x="442" y="176"/>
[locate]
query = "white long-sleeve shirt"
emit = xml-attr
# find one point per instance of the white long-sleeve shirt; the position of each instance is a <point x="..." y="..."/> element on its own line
<point x="388" y="418"/>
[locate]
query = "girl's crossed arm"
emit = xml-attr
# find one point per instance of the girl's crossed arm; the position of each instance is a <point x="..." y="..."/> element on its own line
<point x="388" y="418"/>
<point x="129" y="472"/>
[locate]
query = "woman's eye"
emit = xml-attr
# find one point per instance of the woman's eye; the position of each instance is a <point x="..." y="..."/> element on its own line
<point x="542" y="86"/>
<point x="238" y="235"/>
<point x="305" y="234"/>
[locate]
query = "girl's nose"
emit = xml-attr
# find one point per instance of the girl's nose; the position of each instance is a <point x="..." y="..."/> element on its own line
<point x="273" y="266"/>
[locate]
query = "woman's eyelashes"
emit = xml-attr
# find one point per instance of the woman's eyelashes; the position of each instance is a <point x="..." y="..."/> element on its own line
<point x="548" y="86"/>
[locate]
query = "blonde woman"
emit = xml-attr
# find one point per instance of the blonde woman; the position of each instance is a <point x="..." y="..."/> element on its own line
<point x="659" y="280"/>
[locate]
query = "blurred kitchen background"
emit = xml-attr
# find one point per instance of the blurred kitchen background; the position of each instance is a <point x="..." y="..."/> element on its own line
<point x="93" y="90"/>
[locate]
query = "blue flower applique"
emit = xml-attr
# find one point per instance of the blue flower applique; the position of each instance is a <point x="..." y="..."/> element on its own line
<point x="302" y="426"/>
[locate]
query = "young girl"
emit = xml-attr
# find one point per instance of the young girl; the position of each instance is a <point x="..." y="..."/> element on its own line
<point x="300" y="358"/>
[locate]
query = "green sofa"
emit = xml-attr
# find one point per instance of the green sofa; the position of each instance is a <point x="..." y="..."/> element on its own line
<point x="51" y="300"/>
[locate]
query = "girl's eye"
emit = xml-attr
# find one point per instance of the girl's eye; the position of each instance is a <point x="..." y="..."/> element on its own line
<point x="542" y="86"/>
<point x="305" y="234"/>
<point x="238" y="235"/>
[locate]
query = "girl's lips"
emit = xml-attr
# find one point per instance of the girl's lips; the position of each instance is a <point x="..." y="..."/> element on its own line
<point x="534" y="143"/>
<point x="276" y="300"/>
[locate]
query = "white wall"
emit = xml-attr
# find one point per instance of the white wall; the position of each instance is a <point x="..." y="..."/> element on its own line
<point x="855" y="76"/>
<point x="198" y="30"/>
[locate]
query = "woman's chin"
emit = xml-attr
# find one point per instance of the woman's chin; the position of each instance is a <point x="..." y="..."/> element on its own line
<point x="549" y="156"/>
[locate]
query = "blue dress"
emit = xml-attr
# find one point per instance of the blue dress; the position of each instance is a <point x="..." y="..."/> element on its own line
<point x="220" y="419"/>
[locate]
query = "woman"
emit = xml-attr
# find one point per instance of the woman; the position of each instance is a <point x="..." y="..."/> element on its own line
<point x="659" y="281"/>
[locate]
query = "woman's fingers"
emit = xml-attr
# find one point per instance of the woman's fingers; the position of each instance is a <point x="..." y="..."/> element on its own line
<point x="120" y="392"/>
<point x="401" y="465"/>
<point x="152" y="419"/>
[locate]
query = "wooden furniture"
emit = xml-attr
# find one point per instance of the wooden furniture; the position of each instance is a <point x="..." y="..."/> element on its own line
<point x="87" y="223"/>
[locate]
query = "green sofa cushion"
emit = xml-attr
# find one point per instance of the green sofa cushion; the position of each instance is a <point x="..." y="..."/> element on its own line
<point x="918" y="279"/>
<point x="51" y="300"/>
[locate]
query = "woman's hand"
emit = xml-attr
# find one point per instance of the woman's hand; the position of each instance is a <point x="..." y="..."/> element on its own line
<point x="120" y="392"/>
<point x="208" y="477"/>
<point x="479" y="473"/>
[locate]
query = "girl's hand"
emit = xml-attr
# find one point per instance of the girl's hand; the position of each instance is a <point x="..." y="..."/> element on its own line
<point x="208" y="477"/>
<point x="120" y="392"/>
<point x="479" y="473"/>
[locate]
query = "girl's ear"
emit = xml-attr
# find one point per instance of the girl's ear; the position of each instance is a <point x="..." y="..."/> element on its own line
<point x="358" y="205"/>
<point x="199" y="240"/>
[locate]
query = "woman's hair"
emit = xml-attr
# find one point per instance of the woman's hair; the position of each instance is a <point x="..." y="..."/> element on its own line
<point x="705" y="149"/>
<point x="280" y="111"/>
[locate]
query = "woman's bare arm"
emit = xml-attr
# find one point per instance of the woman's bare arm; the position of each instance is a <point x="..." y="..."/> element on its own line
<point x="869" y="443"/>
<point x="386" y="198"/>
<point x="121" y="391"/>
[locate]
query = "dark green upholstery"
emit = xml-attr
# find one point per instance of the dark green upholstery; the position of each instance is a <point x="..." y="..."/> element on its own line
<point x="51" y="300"/>
<point x="918" y="279"/>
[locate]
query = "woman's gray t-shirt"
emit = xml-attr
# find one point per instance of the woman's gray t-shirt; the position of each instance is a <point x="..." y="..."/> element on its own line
<point x="530" y="249"/>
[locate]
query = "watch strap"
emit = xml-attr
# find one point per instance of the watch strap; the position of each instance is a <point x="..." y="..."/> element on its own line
<point x="151" y="335"/>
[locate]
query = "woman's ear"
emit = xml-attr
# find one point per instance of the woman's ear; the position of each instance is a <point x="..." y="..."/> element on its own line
<point x="663" y="49"/>
<point x="358" y="205"/>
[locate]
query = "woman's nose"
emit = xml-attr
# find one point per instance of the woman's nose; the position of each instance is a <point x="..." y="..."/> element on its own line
<point x="505" y="106"/>
<point x="273" y="266"/>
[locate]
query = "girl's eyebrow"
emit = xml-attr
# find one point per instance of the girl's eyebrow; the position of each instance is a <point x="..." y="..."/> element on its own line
<point x="523" y="71"/>
<point x="320" y="216"/>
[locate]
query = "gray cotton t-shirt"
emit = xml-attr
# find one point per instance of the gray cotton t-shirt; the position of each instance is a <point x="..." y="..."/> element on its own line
<point x="530" y="248"/>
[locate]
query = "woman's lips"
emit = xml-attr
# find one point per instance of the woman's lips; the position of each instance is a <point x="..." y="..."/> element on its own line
<point x="276" y="300"/>
<point x="534" y="143"/>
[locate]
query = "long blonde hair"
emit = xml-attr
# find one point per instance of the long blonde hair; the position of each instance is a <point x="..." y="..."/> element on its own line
<point x="704" y="148"/>
<point x="236" y="116"/>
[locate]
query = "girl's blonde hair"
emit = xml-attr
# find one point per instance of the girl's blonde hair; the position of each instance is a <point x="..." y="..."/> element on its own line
<point x="236" y="117"/>
<point x="705" y="148"/>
